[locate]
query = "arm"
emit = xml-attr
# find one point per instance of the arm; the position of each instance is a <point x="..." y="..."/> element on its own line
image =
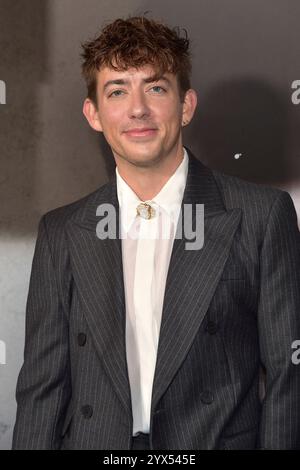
<point x="279" y="326"/>
<point x="43" y="388"/>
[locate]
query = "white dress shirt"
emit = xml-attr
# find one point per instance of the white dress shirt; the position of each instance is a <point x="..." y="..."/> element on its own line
<point x="146" y="250"/>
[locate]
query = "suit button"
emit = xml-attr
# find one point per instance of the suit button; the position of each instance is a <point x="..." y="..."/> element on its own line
<point x="87" y="411"/>
<point x="81" y="338"/>
<point x="211" y="327"/>
<point x="206" y="397"/>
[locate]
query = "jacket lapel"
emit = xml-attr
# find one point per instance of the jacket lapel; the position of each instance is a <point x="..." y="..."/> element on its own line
<point x="193" y="275"/>
<point x="98" y="274"/>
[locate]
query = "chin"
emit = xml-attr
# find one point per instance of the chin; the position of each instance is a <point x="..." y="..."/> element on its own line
<point x="140" y="155"/>
<point x="145" y="158"/>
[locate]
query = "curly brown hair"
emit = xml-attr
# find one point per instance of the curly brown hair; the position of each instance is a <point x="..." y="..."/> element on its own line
<point x="135" y="42"/>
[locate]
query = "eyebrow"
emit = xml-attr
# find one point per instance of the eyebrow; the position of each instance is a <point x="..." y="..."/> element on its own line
<point x="121" y="81"/>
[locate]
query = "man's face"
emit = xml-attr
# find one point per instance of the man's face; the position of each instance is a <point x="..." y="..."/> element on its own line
<point x="141" y="118"/>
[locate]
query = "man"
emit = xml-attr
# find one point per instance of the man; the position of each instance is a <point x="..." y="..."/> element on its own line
<point x="136" y="342"/>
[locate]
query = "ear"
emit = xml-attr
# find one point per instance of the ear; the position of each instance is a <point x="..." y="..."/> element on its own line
<point x="91" y="113"/>
<point x="189" y="106"/>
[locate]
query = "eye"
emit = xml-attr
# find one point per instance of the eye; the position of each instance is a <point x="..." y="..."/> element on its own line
<point x="160" y="89"/>
<point x="115" y="93"/>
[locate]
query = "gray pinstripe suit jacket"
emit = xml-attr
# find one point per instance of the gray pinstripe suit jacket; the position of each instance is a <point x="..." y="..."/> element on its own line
<point x="229" y="309"/>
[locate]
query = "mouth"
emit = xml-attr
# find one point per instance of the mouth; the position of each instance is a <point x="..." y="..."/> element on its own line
<point x="142" y="132"/>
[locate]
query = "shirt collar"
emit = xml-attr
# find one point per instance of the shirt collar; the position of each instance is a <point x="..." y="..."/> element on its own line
<point x="168" y="199"/>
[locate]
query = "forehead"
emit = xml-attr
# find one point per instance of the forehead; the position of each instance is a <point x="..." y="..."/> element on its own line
<point x="131" y="74"/>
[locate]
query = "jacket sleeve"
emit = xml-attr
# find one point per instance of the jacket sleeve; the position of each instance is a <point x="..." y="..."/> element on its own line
<point x="279" y="326"/>
<point x="43" y="387"/>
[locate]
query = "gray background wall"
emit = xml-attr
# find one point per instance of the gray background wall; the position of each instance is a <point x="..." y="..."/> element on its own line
<point x="246" y="57"/>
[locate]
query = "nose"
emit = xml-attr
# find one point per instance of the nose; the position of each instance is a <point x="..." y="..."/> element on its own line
<point x="138" y="107"/>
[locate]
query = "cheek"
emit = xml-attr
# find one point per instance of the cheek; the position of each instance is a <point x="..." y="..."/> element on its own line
<point x="170" y="113"/>
<point x="112" y="117"/>
<point x="172" y="121"/>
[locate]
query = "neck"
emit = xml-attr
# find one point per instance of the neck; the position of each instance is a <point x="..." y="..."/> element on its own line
<point x="147" y="181"/>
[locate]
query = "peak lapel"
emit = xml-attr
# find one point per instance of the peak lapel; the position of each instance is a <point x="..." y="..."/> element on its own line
<point x="98" y="274"/>
<point x="193" y="275"/>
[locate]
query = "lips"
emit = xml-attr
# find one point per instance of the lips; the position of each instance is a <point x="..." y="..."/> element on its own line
<point x="141" y="132"/>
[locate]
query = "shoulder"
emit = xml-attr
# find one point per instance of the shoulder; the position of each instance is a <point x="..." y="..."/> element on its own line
<point x="252" y="198"/>
<point x="259" y="203"/>
<point x="56" y="219"/>
<point x="237" y="192"/>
